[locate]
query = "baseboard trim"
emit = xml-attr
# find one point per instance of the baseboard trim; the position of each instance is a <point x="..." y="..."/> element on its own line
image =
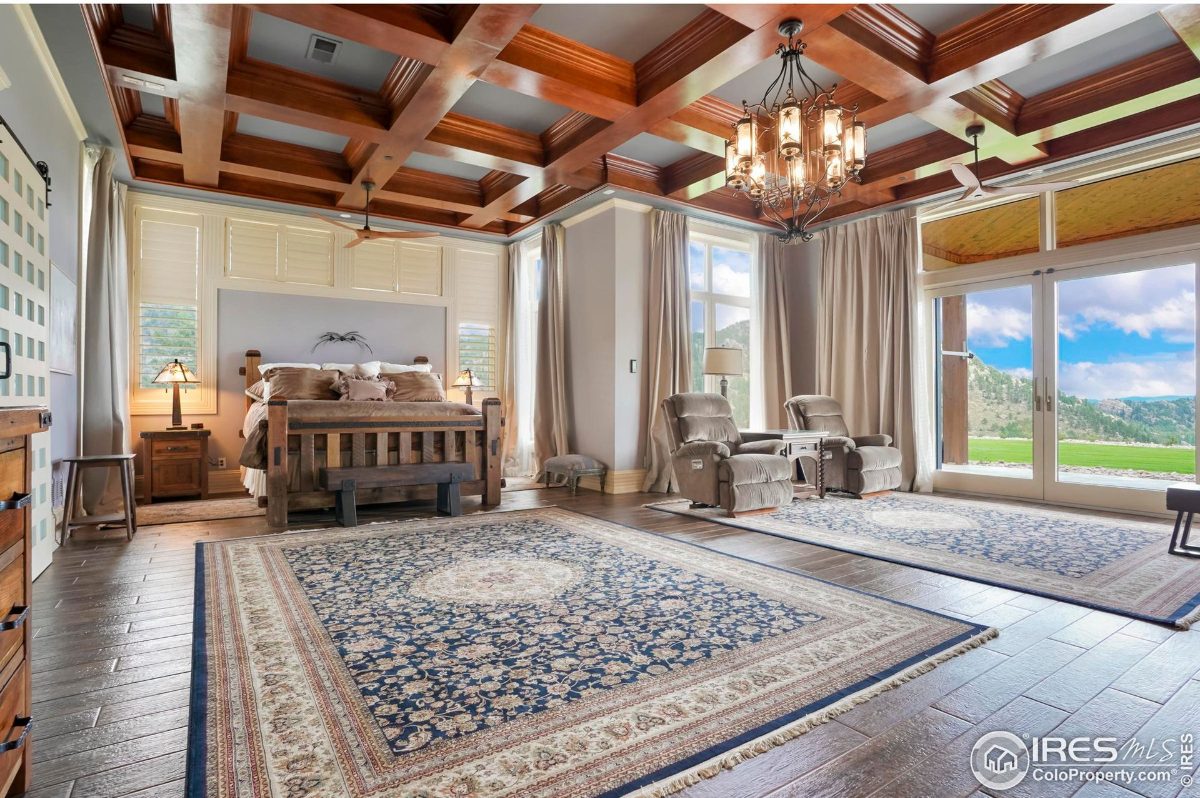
<point x="628" y="481"/>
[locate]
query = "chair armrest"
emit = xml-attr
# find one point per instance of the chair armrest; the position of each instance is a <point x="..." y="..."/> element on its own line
<point x="768" y="446"/>
<point x="872" y="440"/>
<point x="714" y="449"/>
<point x="838" y="442"/>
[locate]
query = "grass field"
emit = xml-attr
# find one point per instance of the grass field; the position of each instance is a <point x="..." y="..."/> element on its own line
<point x="1103" y="455"/>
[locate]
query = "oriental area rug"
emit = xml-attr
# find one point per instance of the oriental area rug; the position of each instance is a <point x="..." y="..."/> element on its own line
<point x="1113" y="565"/>
<point x="531" y="653"/>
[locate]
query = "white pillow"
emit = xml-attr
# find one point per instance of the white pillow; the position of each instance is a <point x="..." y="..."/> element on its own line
<point x="368" y="370"/>
<point x="263" y="368"/>
<point x="400" y="368"/>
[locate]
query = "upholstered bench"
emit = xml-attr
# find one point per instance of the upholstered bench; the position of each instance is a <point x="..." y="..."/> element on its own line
<point x="1184" y="499"/>
<point x="566" y="469"/>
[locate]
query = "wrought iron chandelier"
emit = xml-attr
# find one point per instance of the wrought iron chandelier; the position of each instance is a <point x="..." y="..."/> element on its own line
<point x="793" y="154"/>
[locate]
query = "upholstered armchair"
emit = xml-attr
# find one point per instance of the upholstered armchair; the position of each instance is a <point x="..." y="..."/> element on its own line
<point x="860" y="464"/>
<point x="714" y="467"/>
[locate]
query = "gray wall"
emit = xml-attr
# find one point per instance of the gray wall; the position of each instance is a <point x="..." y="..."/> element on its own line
<point x="32" y="110"/>
<point x="284" y="327"/>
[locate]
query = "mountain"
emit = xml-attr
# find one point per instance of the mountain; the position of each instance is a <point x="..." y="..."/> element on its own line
<point x="999" y="405"/>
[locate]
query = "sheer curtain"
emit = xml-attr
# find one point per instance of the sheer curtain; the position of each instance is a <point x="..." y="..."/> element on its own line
<point x="668" y="351"/>
<point x="550" y="395"/>
<point x="105" y="413"/>
<point x="520" y="358"/>
<point x="866" y="353"/>
<point x="776" y="359"/>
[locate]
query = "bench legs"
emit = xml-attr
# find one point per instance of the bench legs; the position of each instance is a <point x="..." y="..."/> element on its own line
<point x="344" y="507"/>
<point x="449" y="499"/>
<point x="1179" y="538"/>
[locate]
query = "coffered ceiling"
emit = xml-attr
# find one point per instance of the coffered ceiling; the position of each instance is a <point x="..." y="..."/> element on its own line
<point x="488" y="118"/>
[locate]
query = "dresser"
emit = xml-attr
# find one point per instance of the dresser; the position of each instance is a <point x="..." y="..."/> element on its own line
<point x="175" y="463"/>
<point x="17" y="425"/>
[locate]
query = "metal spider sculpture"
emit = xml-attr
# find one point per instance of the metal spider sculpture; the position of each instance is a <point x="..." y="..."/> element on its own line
<point x="352" y="337"/>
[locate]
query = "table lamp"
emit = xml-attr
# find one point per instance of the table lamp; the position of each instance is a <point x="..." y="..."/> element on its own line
<point x="723" y="361"/>
<point x="467" y="381"/>
<point x="176" y="374"/>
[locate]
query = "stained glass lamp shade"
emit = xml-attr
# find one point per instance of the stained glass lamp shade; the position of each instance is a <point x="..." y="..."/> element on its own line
<point x="176" y="374"/>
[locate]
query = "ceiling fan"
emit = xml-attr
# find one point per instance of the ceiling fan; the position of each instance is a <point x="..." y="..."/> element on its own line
<point x="976" y="190"/>
<point x="366" y="233"/>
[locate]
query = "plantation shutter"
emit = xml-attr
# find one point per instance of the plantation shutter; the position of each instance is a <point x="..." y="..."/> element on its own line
<point x="308" y="256"/>
<point x="373" y="266"/>
<point x="420" y="269"/>
<point x="477" y="289"/>
<point x="168" y="289"/>
<point x="253" y="250"/>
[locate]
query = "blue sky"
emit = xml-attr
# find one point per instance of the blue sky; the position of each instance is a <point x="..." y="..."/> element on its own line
<point x="1119" y="335"/>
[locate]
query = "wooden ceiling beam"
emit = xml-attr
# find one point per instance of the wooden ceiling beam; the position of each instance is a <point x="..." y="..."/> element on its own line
<point x="482" y="32"/>
<point x="1184" y="19"/>
<point x="201" y="36"/>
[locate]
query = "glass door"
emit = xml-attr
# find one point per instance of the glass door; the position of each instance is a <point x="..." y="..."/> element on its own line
<point x="1121" y="391"/>
<point x="986" y="356"/>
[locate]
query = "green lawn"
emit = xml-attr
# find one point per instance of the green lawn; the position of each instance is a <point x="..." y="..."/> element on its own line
<point x="1106" y="455"/>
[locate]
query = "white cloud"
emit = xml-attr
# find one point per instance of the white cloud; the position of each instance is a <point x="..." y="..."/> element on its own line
<point x="1020" y="372"/>
<point x="1136" y="303"/>
<point x="727" y="280"/>
<point x="994" y="326"/>
<point x="1147" y="377"/>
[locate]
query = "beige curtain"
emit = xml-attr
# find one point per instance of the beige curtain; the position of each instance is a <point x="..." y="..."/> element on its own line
<point x="508" y="396"/>
<point x="772" y="309"/>
<point x="105" y="415"/>
<point x="668" y="350"/>
<point x="867" y="330"/>
<point x="550" y="395"/>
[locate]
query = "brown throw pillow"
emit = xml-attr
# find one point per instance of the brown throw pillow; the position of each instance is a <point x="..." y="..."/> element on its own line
<point x="294" y="383"/>
<point x="258" y="391"/>
<point x="363" y="389"/>
<point x="416" y="386"/>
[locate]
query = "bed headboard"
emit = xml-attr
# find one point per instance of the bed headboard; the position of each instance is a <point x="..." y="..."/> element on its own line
<point x="254" y="359"/>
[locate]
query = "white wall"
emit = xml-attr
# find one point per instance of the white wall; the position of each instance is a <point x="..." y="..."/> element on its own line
<point x="803" y="290"/>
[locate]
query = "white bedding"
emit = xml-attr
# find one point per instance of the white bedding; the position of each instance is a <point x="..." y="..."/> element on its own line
<point x="254" y="479"/>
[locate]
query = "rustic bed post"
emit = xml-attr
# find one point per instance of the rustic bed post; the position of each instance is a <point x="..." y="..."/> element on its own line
<point x="492" y="451"/>
<point x="277" y="463"/>
<point x="250" y="372"/>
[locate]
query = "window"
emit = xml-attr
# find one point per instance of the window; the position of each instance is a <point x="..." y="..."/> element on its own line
<point x="165" y="332"/>
<point x="524" y="332"/>
<point x="721" y="278"/>
<point x="478" y="317"/>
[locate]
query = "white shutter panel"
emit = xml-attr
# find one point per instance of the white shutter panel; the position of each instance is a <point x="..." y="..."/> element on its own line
<point x="477" y="289"/>
<point x="420" y="269"/>
<point x="308" y="256"/>
<point x="168" y="257"/>
<point x="253" y="250"/>
<point x="373" y="266"/>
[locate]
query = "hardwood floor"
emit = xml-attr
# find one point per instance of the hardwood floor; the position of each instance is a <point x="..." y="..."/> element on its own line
<point x="111" y="662"/>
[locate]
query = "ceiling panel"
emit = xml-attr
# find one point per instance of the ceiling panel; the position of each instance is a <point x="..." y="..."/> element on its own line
<point x="152" y="104"/>
<point x="1125" y="44"/>
<point x="626" y="31"/>
<point x="280" y="131"/>
<point x="750" y="85"/>
<point x="444" y="166"/>
<point x="941" y="17"/>
<point x="286" y="44"/>
<point x="895" y="131"/>
<point x="652" y="149"/>
<point x="508" y="108"/>
<point x="140" y="14"/>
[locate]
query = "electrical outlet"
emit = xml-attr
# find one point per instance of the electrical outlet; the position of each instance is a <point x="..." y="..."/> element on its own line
<point x="221" y="463"/>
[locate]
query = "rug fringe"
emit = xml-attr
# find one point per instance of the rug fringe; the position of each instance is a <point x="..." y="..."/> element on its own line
<point x="726" y="761"/>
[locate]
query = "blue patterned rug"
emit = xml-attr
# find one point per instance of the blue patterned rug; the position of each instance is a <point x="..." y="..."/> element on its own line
<point x="529" y="654"/>
<point x="1119" y="566"/>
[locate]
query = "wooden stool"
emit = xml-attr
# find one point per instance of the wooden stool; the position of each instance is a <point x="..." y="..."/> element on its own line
<point x="1184" y="499"/>
<point x="74" y="466"/>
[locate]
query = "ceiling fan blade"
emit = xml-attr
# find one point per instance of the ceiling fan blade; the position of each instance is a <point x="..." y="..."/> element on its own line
<point x="334" y="222"/>
<point x="401" y="234"/>
<point x="964" y="175"/>
<point x="355" y="243"/>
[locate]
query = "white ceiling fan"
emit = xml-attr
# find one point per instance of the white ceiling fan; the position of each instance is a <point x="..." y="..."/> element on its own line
<point x="974" y="186"/>
<point x="366" y="233"/>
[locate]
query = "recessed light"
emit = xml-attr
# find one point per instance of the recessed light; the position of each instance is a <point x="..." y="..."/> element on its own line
<point x="346" y="215"/>
<point x="608" y="191"/>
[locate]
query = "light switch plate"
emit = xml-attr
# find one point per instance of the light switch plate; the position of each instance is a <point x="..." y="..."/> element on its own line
<point x="633" y="366"/>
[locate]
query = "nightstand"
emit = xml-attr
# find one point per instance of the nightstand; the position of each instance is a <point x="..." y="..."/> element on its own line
<point x="801" y="444"/>
<point x="176" y="463"/>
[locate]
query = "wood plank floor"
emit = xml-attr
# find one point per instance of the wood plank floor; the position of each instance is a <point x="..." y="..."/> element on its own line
<point x="113" y="635"/>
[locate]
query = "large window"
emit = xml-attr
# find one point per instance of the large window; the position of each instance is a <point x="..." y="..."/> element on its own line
<point x="721" y="278"/>
<point x="528" y="269"/>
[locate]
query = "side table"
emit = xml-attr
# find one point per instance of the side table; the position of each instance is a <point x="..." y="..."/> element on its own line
<point x="176" y="463"/>
<point x="801" y="445"/>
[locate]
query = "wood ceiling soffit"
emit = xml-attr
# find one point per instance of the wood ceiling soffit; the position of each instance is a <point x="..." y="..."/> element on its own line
<point x="202" y="35"/>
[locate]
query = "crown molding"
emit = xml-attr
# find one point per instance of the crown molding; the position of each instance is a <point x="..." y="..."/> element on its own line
<point x="34" y="32"/>
<point x="603" y="207"/>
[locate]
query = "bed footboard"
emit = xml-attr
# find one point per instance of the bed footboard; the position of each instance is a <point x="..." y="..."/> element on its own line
<point x="297" y="450"/>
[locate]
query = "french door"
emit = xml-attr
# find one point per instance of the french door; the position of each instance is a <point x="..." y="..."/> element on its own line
<point x="1075" y="385"/>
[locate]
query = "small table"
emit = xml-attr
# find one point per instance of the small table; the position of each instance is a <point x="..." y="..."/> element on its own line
<point x="176" y="463"/>
<point x="801" y="444"/>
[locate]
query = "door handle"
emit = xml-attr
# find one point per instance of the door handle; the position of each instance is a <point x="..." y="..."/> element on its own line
<point x="1049" y="398"/>
<point x="7" y="360"/>
<point x="1037" y="398"/>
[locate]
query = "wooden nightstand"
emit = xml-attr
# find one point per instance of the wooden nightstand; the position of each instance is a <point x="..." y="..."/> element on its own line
<point x="176" y="463"/>
<point x="801" y="444"/>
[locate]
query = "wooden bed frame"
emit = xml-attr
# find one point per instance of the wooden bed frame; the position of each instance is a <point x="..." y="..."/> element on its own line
<point x="352" y="441"/>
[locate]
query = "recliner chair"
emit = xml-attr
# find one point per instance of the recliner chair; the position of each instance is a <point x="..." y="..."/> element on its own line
<point x="861" y="464"/>
<point x="714" y="467"/>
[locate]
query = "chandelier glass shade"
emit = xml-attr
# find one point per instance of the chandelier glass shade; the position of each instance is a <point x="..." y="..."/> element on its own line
<point x="793" y="151"/>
